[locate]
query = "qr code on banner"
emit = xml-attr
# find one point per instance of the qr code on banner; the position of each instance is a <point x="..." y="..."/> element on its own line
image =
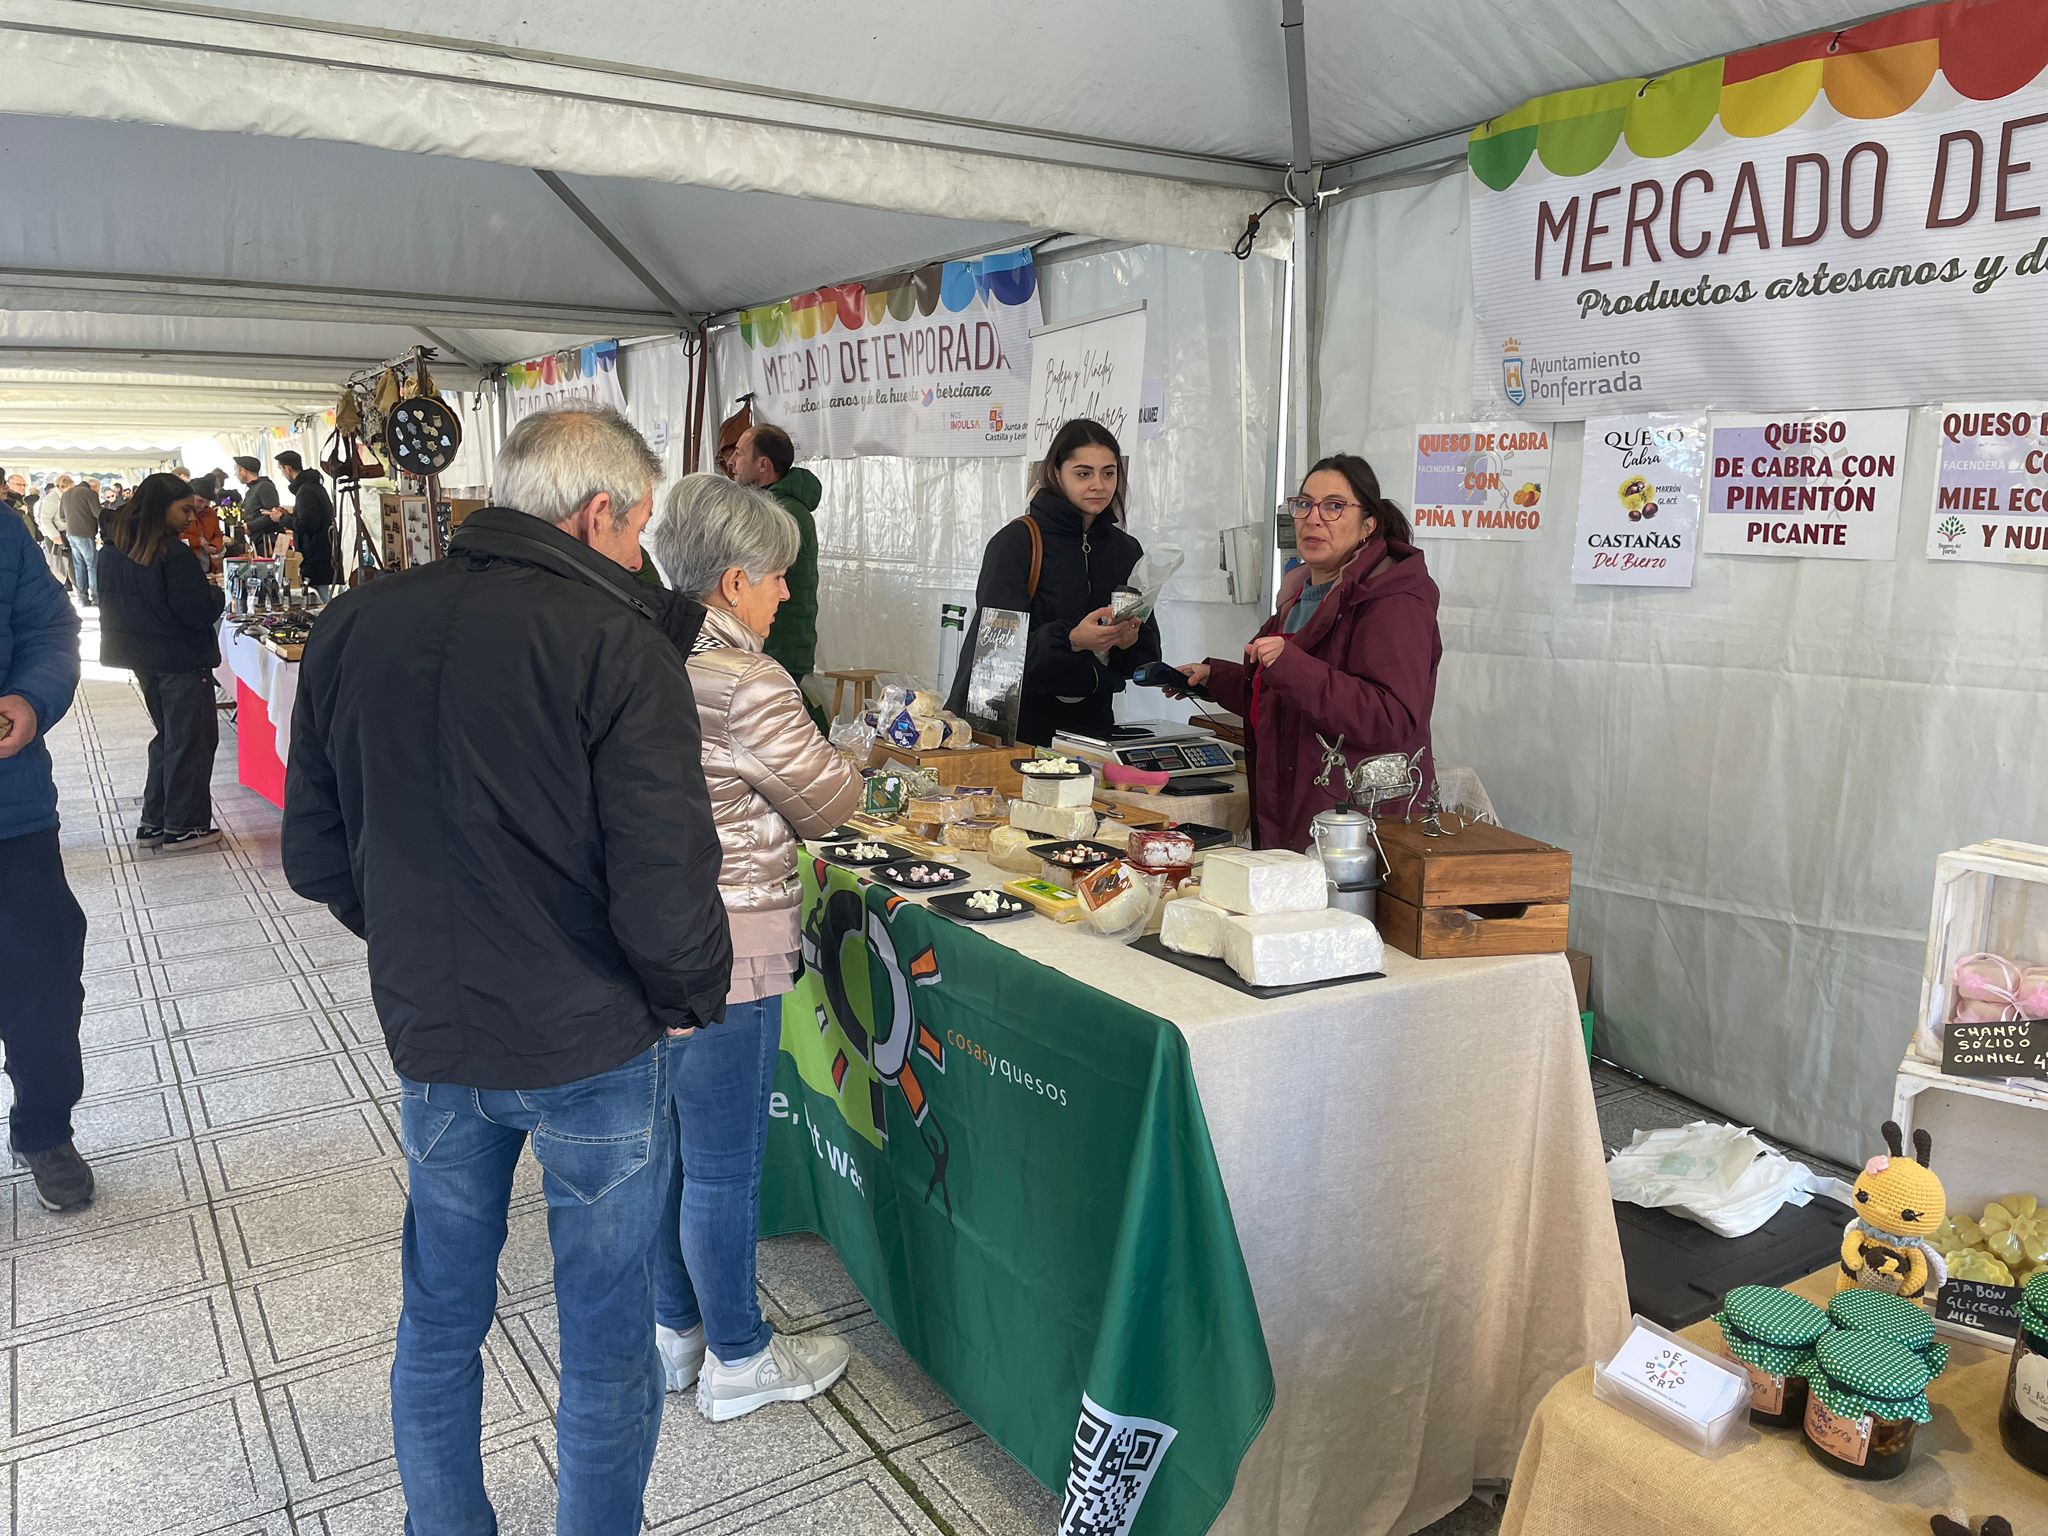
<point x="1114" y="1460"/>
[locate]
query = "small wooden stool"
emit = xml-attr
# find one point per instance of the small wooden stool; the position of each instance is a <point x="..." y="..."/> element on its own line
<point x="860" y="679"/>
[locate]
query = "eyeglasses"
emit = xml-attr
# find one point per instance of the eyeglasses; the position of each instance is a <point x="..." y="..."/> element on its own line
<point x="1302" y="508"/>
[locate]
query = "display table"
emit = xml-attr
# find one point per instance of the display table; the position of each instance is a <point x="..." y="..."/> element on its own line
<point x="1590" y="1468"/>
<point x="1053" y="1164"/>
<point x="1230" y="809"/>
<point x="265" y="686"/>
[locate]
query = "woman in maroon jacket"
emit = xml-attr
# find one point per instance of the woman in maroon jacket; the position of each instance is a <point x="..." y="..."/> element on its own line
<point x="1352" y="651"/>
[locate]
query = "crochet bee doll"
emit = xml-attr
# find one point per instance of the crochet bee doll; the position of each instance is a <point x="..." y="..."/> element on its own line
<point x="1899" y="1204"/>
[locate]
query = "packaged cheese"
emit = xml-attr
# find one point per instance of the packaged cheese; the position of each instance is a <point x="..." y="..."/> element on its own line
<point x="1061" y="906"/>
<point x="931" y="734"/>
<point x="1119" y="900"/>
<point x="940" y="808"/>
<point x="958" y="732"/>
<point x="1079" y="791"/>
<point x="1190" y="926"/>
<point x="974" y="834"/>
<point x="1287" y="949"/>
<point x="1264" y="881"/>
<point x="882" y="795"/>
<point x="926" y="705"/>
<point x="1010" y="848"/>
<point x="1058" y="821"/>
<point x="983" y="799"/>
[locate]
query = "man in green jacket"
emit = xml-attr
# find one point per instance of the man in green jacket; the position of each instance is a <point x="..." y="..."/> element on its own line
<point x="767" y="458"/>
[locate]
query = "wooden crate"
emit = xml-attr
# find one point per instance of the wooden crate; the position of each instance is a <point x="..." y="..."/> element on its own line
<point x="1482" y="890"/>
<point x="953" y="766"/>
<point x="1991" y="896"/>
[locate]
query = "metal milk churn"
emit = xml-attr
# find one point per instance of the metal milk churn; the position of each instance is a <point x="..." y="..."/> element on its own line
<point x="1348" y="843"/>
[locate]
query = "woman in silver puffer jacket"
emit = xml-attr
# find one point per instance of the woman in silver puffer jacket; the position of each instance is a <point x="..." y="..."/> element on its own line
<point x="773" y="779"/>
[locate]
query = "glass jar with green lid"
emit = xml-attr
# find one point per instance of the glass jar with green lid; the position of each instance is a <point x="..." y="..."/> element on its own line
<point x="1868" y="1396"/>
<point x="2023" y="1420"/>
<point x="1771" y="1333"/>
<point x="1895" y="1318"/>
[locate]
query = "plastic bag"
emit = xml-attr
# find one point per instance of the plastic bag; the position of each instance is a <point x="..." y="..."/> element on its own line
<point x="1120" y="900"/>
<point x="1139" y="594"/>
<point x="1720" y="1176"/>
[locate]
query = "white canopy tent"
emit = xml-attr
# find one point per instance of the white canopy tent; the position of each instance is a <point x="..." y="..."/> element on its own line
<point x="213" y="215"/>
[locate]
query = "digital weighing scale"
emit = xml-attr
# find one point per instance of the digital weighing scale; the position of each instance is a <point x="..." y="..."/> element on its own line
<point x="1178" y="750"/>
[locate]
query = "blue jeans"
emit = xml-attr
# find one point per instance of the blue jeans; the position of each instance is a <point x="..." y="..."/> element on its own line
<point x="603" y="1146"/>
<point x="84" y="568"/>
<point x="718" y="1084"/>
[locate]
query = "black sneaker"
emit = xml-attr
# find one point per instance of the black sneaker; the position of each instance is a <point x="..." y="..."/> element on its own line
<point x="150" y="837"/>
<point x="63" y="1178"/>
<point x="176" y="842"/>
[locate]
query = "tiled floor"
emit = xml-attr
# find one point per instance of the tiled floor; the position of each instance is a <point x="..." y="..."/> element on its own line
<point x="205" y="1350"/>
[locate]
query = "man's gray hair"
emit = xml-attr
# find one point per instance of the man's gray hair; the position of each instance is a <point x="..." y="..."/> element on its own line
<point x="709" y="524"/>
<point x="554" y="462"/>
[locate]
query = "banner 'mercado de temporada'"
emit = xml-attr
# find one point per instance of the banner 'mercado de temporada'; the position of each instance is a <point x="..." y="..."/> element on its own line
<point x="1850" y="219"/>
<point x="935" y="362"/>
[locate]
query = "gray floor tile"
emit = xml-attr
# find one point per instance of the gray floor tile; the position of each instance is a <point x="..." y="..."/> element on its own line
<point x="214" y="971"/>
<point x="345" y="984"/>
<point x="139" y="1120"/>
<point x="126" y="1069"/>
<point x="210" y="938"/>
<point x="284" y="1151"/>
<point x="312" y="1312"/>
<point x="99" y="898"/>
<point x="316" y="924"/>
<point x="118" y="1026"/>
<point x="374" y="1066"/>
<point x="290" y="1089"/>
<point x="128" y="1187"/>
<point x="336" y="948"/>
<point x="518" y="1476"/>
<point x="203" y="1467"/>
<point x="174" y="1350"/>
<point x="863" y="1500"/>
<point x="805" y="1284"/>
<point x="360" y="1025"/>
<point x="182" y="917"/>
<point x="121" y="1266"/>
<point x="977" y="1488"/>
<point x="334" y="1421"/>
<point x="701" y="1467"/>
<point x="892" y="1400"/>
<point x="321" y="1216"/>
<point x="236" y="1005"/>
<point x="111" y="989"/>
<point x="110" y="954"/>
<point x="214" y="1052"/>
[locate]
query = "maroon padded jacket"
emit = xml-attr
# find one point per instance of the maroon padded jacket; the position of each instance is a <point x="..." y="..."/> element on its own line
<point x="1363" y="668"/>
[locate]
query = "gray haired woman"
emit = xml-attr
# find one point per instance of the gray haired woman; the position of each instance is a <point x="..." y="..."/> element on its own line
<point x="773" y="779"/>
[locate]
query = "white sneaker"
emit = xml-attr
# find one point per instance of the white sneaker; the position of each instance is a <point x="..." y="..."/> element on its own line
<point x="682" y="1355"/>
<point x="789" y="1370"/>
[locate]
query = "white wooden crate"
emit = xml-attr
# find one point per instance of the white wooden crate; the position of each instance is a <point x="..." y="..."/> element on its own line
<point x="1991" y="896"/>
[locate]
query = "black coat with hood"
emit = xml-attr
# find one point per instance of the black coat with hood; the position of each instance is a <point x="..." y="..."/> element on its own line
<point x="495" y="780"/>
<point x="1064" y="689"/>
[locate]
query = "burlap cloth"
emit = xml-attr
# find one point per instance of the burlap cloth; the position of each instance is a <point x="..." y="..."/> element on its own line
<point x="1588" y="1470"/>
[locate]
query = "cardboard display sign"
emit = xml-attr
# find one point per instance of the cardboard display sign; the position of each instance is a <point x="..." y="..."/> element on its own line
<point x="1820" y="485"/>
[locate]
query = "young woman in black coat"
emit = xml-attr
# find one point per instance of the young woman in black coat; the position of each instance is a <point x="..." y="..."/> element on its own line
<point x="1077" y="657"/>
<point x="157" y="618"/>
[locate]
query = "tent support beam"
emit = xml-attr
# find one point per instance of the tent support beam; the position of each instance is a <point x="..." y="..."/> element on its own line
<point x="154" y="293"/>
<point x="442" y="344"/>
<point x="619" y="249"/>
<point x="1304" y="186"/>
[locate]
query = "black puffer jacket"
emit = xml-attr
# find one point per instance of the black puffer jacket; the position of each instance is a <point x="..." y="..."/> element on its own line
<point x="495" y="779"/>
<point x="160" y="617"/>
<point x="312" y="526"/>
<point x="1064" y="689"/>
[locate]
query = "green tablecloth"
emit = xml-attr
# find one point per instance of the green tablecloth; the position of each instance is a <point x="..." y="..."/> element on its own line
<point x="1015" y="1170"/>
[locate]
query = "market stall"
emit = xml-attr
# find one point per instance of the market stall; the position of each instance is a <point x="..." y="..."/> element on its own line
<point x="1588" y="1468"/>
<point x="265" y="682"/>
<point x="1095" y="1193"/>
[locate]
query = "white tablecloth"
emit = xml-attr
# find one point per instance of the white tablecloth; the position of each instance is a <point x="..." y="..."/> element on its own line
<point x="270" y="677"/>
<point x="1416" y="1173"/>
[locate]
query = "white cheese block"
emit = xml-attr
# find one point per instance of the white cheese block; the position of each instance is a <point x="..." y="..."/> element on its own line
<point x="1061" y="821"/>
<point x="1191" y="926"/>
<point x="1264" y="880"/>
<point x="1059" y="791"/>
<point x="1112" y="834"/>
<point x="1286" y="949"/>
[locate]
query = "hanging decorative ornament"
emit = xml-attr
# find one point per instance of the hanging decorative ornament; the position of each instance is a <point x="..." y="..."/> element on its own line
<point x="423" y="435"/>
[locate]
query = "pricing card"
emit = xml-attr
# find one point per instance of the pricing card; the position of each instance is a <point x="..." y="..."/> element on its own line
<point x="1695" y="1385"/>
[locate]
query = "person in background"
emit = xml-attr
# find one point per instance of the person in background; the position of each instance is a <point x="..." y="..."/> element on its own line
<point x="1078" y="655"/>
<point x="259" y="500"/>
<point x="773" y="779"/>
<point x="50" y="519"/>
<point x="42" y="929"/>
<point x="766" y="457"/>
<point x="1351" y="651"/>
<point x="203" y="535"/>
<point x="535" y="869"/>
<point x="14" y="495"/>
<point x="159" y="622"/>
<point x="79" y="507"/>
<point x="310" y="521"/>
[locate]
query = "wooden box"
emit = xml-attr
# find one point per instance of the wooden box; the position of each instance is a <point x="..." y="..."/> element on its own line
<point x="953" y="766"/>
<point x="1990" y="896"/>
<point x="1481" y="890"/>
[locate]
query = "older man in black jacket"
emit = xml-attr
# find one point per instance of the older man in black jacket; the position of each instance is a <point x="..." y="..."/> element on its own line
<point x="495" y="779"/>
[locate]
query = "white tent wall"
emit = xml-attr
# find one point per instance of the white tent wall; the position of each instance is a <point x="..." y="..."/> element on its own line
<point x="1754" y="776"/>
<point x="898" y="537"/>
